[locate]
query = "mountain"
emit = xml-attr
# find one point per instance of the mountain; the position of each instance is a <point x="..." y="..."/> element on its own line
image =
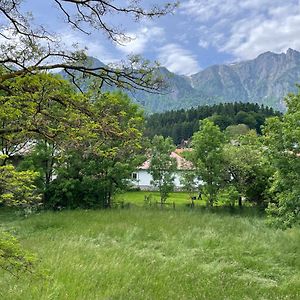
<point x="266" y="80"/>
<point x="180" y="94"/>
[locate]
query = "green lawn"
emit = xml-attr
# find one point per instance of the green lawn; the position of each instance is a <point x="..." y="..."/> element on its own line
<point x="141" y="253"/>
<point x="138" y="198"/>
<point x="181" y="199"/>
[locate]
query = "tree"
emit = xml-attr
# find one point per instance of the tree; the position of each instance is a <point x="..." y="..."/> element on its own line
<point x="94" y="168"/>
<point x="207" y="157"/>
<point x="181" y="124"/>
<point x="28" y="48"/>
<point x="47" y="110"/>
<point x="42" y="105"/>
<point x="35" y="104"/>
<point x="43" y="158"/>
<point x="162" y="165"/>
<point x="243" y="117"/>
<point x="248" y="168"/>
<point x="48" y="107"/>
<point x="189" y="185"/>
<point x="235" y="131"/>
<point x="17" y="188"/>
<point x="282" y="140"/>
<point x="222" y="121"/>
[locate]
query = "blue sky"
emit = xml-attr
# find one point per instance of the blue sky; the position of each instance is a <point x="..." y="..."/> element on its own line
<point x="200" y="33"/>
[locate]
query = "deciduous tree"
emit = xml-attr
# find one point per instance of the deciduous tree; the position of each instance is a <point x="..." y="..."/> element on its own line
<point x="28" y="47"/>
<point x="248" y="168"/>
<point x="282" y="139"/>
<point x="94" y="167"/>
<point x="162" y="165"/>
<point x="207" y="157"/>
<point x="17" y="187"/>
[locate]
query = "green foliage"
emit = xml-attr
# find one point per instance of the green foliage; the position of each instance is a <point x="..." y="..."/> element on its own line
<point x="207" y="157"/>
<point x="282" y="139"/>
<point x="181" y="124"/>
<point x="46" y="106"/>
<point x="188" y="182"/>
<point x="86" y="134"/>
<point x="248" y="119"/>
<point x="42" y="158"/>
<point x="93" y="169"/>
<point x="13" y="258"/>
<point x="248" y="168"/>
<point x="229" y="195"/>
<point x="284" y="209"/>
<point x="235" y="131"/>
<point x="162" y="165"/>
<point x="16" y="190"/>
<point x="87" y="181"/>
<point x="17" y="187"/>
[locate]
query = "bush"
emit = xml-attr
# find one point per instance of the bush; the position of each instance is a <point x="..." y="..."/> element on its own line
<point x="12" y="257"/>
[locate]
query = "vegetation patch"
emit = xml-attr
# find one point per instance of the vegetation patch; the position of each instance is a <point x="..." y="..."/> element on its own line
<point x="155" y="254"/>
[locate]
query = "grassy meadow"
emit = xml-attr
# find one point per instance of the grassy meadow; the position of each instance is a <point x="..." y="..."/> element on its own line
<point x="180" y="199"/>
<point x="137" y="198"/>
<point x="141" y="253"/>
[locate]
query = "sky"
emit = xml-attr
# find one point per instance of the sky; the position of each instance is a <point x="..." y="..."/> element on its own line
<point x="199" y="34"/>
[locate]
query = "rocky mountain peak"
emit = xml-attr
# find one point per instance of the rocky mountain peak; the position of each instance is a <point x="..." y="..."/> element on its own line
<point x="264" y="80"/>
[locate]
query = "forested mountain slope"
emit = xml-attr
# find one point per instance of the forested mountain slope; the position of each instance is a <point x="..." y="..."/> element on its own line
<point x="181" y="124"/>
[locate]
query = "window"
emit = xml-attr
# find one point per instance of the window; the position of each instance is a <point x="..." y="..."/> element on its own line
<point x="134" y="176"/>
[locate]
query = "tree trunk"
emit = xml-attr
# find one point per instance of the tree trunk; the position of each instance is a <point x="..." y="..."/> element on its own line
<point x="240" y="201"/>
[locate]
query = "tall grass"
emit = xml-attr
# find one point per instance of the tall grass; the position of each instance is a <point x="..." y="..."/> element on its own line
<point x="154" y="254"/>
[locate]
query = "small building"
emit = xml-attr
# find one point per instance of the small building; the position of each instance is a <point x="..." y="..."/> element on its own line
<point x="142" y="179"/>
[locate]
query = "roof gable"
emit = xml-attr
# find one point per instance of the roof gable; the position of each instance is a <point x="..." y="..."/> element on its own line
<point x="182" y="163"/>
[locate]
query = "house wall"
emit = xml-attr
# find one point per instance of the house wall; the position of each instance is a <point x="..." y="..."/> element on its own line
<point x="143" y="180"/>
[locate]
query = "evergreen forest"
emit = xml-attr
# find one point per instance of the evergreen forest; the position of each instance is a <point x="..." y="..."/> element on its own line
<point x="181" y="124"/>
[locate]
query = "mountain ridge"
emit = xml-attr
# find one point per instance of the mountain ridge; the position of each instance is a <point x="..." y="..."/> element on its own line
<point x="266" y="79"/>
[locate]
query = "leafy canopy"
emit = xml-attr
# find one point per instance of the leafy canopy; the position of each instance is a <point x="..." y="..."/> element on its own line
<point x="162" y="165"/>
<point x="282" y="139"/>
<point x="207" y="157"/>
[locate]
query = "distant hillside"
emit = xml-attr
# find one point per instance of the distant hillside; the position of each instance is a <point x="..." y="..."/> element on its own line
<point x="181" y="124"/>
<point x="266" y="80"/>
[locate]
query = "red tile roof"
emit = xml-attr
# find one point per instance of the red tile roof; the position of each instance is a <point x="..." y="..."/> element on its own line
<point x="182" y="163"/>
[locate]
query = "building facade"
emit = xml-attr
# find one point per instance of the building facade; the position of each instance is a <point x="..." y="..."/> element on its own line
<point x="142" y="179"/>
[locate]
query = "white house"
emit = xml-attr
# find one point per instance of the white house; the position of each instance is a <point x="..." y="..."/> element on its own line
<point x="142" y="178"/>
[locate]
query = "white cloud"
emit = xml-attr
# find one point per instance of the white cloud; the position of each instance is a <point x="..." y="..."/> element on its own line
<point x="207" y="10"/>
<point x="178" y="60"/>
<point x="246" y="28"/>
<point x="203" y="43"/>
<point x="275" y="35"/>
<point x="94" y="47"/>
<point x="140" y="40"/>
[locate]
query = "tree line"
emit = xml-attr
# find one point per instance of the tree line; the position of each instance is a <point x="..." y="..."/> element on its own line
<point x="181" y="124"/>
<point x="263" y="170"/>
